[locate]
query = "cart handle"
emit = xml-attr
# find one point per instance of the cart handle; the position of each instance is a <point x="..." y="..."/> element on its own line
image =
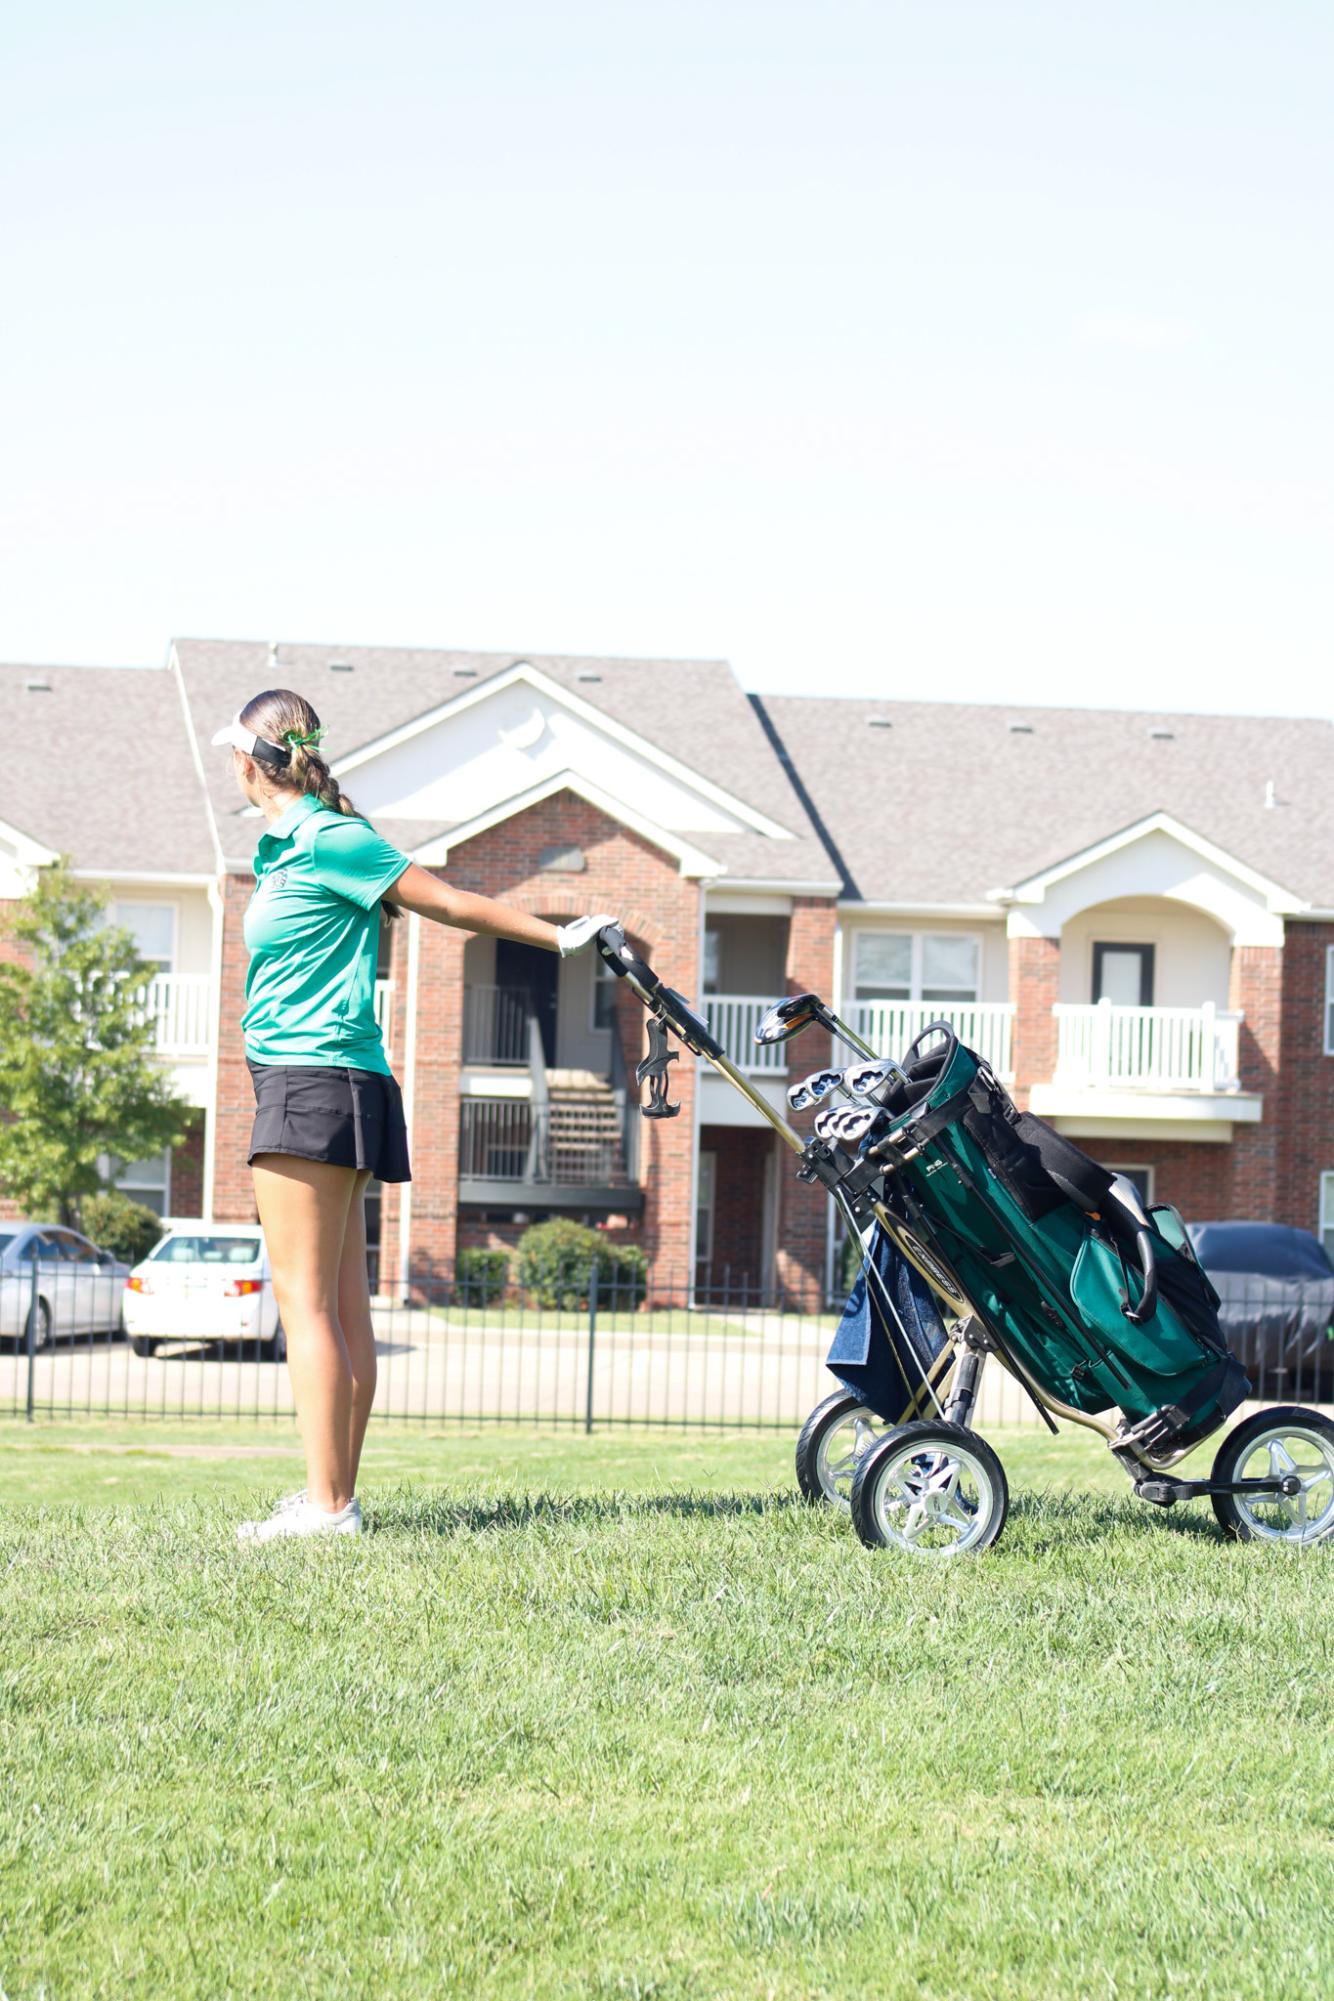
<point x="671" y="1008"/>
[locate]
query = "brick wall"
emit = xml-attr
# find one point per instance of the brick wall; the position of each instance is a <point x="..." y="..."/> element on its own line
<point x="803" y="1207"/>
<point x="739" y="1154"/>
<point x="1035" y="988"/>
<point x="1256" y="987"/>
<point x="1194" y="1175"/>
<point x="187" y="1171"/>
<point x="1306" y="1085"/>
<point x="660" y="911"/>
<point x="233" y="1192"/>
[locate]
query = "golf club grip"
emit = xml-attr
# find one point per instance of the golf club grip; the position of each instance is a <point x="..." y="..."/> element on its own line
<point x="671" y="1008"/>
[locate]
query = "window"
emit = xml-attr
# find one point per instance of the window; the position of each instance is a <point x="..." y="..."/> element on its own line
<point x="704" y="1209"/>
<point x="1327" y="1213"/>
<point x="604" y="993"/>
<point x="146" y="1181"/>
<point x="713" y="962"/>
<point x="153" y="928"/>
<point x="1329" y="1000"/>
<point x="1141" y="1176"/>
<point x="915" y="965"/>
<point x="208" y="1251"/>
<point x="1123" y="974"/>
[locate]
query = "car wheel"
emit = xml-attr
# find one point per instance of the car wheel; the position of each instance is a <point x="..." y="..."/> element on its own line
<point x="41" y="1338"/>
<point x="141" y="1345"/>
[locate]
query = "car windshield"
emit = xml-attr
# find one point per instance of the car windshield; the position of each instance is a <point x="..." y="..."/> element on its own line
<point x="208" y="1251"/>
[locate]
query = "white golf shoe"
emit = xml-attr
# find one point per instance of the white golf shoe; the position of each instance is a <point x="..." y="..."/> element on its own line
<point x="295" y="1515"/>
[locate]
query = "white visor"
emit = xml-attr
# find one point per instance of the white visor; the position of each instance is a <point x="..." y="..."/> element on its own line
<point x="245" y="740"/>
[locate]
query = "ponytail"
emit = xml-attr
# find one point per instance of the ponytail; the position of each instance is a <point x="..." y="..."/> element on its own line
<point x="287" y="719"/>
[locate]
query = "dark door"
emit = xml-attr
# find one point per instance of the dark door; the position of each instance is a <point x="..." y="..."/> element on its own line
<point x="1124" y="974"/>
<point x="530" y="968"/>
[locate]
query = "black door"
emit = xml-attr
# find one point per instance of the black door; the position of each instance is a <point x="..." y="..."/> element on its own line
<point x="530" y="968"/>
<point x="1124" y="974"/>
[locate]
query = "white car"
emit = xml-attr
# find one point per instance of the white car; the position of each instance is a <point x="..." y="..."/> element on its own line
<point x="205" y="1282"/>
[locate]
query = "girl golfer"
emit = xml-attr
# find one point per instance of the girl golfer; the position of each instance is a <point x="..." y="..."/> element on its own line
<point x="328" y="1114"/>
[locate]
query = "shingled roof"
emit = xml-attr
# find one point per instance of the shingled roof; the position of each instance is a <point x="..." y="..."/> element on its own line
<point x="939" y="803"/>
<point x="98" y="767"/>
<point x="695" y="710"/>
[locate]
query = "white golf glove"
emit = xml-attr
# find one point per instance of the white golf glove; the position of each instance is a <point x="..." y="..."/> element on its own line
<point x="581" y="931"/>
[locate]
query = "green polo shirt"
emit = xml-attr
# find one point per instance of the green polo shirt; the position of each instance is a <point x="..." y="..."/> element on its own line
<point x="312" y="929"/>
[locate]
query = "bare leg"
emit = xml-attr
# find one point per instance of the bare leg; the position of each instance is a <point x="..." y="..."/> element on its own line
<point x="303" y="1206"/>
<point x="354" y="1317"/>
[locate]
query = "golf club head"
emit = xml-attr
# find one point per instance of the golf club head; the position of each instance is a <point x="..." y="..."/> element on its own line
<point x="873" y="1080"/>
<point x="813" y="1090"/>
<point x="787" y="1018"/>
<point x="849" y="1125"/>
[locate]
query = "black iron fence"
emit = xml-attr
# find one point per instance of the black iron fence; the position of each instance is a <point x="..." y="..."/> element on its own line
<point x="206" y="1342"/>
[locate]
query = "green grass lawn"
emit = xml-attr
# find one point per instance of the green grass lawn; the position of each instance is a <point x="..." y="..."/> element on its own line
<point x="616" y="1717"/>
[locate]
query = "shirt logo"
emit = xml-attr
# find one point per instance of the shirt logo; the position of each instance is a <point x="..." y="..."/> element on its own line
<point x="278" y="878"/>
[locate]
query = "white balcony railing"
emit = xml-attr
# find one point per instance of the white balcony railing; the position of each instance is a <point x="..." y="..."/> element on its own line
<point x="180" y="1007"/>
<point x="1105" y="1047"/>
<point x="891" y="1026"/>
<point x="733" y="1019"/>
<point x="384" y="1008"/>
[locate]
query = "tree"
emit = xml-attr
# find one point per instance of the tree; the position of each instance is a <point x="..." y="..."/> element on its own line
<point x="77" y="1078"/>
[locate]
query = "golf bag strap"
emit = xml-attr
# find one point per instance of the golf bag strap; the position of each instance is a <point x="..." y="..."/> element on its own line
<point x="924" y="1129"/>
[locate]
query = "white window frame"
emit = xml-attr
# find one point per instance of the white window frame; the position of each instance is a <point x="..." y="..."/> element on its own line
<point x="711" y="981"/>
<point x="134" y="1189"/>
<point x="1327" y="1210"/>
<point x="157" y="903"/>
<point x="706" y="1183"/>
<point x="1329" y="1000"/>
<point x="602" y="977"/>
<point x="965" y="996"/>
<point x="1137" y="1167"/>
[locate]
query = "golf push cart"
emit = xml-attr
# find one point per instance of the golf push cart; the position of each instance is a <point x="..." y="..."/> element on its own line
<point x="986" y="1234"/>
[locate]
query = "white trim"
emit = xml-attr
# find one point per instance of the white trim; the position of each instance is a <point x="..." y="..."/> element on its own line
<point x="157" y="878"/>
<point x="1329" y="1000"/>
<point x="174" y="668"/>
<point x="28" y="853"/>
<point x="523" y="670"/>
<point x="409" y="1107"/>
<point x="693" y="861"/>
<point x="1033" y="888"/>
<point x="854" y="906"/>
<point x="723" y="904"/>
<point x="218" y="905"/>
<point x="780" y="885"/>
<point x="696" y="1119"/>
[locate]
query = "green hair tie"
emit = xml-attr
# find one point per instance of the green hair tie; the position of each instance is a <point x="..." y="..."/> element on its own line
<point x="295" y="737"/>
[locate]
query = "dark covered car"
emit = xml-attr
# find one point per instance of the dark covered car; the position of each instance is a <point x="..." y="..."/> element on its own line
<point x="1277" y="1290"/>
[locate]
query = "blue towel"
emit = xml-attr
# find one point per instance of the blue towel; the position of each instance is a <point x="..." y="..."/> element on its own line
<point x="875" y="1357"/>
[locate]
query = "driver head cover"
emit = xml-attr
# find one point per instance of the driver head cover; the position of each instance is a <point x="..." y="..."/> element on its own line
<point x="245" y="740"/>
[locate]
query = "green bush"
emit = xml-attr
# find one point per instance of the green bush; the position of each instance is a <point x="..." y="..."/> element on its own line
<point x="556" y="1258"/>
<point x="127" y="1229"/>
<point x="481" y="1277"/>
<point x="848" y="1269"/>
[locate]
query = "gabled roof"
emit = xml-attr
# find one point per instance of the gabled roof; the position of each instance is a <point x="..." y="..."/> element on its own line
<point x="935" y="803"/>
<point x="693" y="712"/>
<point x="98" y="766"/>
<point x="1034" y="887"/>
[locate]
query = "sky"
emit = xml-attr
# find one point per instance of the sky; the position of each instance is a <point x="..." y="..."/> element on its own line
<point x="971" y="350"/>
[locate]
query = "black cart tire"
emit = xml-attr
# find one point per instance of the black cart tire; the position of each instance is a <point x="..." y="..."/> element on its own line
<point x="1286" y="1439"/>
<point x="834" y="1439"/>
<point x="930" y="1489"/>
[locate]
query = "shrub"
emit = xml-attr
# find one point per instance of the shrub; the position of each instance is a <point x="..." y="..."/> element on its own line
<point x="555" y="1260"/>
<point x="127" y="1229"/>
<point x="849" y="1267"/>
<point x="481" y="1277"/>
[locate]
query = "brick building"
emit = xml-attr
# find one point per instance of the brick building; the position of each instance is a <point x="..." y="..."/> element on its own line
<point x="1132" y="916"/>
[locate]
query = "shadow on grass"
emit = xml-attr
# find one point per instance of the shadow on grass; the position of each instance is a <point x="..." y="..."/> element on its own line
<point x="505" y="1512"/>
<point x="1049" y="1517"/>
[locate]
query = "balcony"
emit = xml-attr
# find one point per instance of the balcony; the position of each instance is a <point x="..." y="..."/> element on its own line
<point x="495" y="1026"/>
<point x="1176" y="1065"/>
<point x="892" y="1026"/>
<point x="569" y="1153"/>
<point x="733" y="1018"/>
<point x="179" y="1005"/>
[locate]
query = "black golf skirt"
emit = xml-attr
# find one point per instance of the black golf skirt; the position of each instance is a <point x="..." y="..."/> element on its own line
<point x="351" y="1118"/>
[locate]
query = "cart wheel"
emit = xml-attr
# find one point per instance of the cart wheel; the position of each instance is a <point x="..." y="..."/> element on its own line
<point x="1286" y="1439"/>
<point x="930" y="1487"/>
<point x="834" y="1439"/>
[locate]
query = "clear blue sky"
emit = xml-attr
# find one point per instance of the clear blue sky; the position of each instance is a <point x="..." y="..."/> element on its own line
<point x="971" y="348"/>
